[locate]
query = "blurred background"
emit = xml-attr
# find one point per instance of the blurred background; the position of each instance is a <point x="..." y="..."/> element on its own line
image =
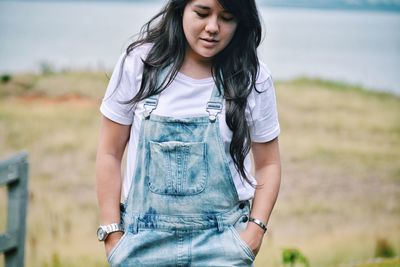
<point x="336" y="66"/>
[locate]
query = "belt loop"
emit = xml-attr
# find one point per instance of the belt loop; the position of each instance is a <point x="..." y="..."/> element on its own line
<point x="220" y="223"/>
<point x="134" y="225"/>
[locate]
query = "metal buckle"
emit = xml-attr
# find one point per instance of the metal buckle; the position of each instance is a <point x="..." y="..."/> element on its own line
<point x="213" y="109"/>
<point x="149" y="106"/>
<point x="214" y="105"/>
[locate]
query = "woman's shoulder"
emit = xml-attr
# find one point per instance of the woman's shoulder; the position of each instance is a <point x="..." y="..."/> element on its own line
<point x="264" y="74"/>
<point x="140" y="50"/>
<point x="264" y="80"/>
<point x="135" y="57"/>
<point x="261" y="100"/>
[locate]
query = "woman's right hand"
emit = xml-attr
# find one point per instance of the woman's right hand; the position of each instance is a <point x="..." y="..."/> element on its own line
<point x="111" y="240"/>
<point x="112" y="143"/>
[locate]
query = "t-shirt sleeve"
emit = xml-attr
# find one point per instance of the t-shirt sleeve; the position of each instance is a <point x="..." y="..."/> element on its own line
<point x="121" y="88"/>
<point x="263" y="117"/>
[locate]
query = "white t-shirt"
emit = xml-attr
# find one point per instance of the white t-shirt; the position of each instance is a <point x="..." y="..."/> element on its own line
<point x="186" y="97"/>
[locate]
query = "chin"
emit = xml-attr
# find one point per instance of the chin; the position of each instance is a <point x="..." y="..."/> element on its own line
<point x="207" y="55"/>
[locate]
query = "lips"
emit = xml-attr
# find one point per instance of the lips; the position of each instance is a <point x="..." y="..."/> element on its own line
<point x="209" y="43"/>
<point x="209" y="40"/>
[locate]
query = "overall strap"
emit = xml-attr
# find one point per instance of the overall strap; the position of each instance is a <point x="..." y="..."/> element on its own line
<point x="214" y="105"/>
<point x="151" y="102"/>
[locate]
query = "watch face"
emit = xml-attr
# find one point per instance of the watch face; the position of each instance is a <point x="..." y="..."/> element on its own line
<point x="101" y="234"/>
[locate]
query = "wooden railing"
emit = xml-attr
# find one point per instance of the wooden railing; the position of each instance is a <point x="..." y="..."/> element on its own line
<point x="14" y="175"/>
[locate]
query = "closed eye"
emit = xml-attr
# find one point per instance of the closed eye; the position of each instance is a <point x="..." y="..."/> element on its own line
<point x="201" y="15"/>
<point x="228" y="18"/>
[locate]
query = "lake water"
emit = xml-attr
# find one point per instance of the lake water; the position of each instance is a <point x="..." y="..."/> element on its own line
<point x="353" y="46"/>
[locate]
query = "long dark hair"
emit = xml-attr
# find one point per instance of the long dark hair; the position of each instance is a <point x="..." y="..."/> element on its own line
<point x="234" y="69"/>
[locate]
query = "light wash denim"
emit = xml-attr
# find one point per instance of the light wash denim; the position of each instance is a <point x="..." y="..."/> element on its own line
<point x="182" y="208"/>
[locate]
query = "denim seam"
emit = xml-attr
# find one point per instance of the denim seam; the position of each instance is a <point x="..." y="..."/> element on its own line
<point x="116" y="246"/>
<point x="225" y="160"/>
<point x="174" y="181"/>
<point x="242" y="243"/>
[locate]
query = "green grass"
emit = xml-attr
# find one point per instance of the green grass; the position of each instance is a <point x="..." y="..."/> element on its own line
<point x="381" y="263"/>
<point x="340" y="149"/>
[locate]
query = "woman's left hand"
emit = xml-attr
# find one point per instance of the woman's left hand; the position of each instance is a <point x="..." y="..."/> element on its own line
<point x="253" y="236"/>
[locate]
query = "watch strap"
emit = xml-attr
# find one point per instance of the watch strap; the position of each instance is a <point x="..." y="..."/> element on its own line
<point x="113" y="227"/>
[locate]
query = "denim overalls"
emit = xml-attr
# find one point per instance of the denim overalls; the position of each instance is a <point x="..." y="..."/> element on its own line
<point x="182" y="208"/>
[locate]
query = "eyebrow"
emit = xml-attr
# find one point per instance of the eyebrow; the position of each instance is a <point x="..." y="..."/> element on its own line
<point x="202" y="7"/>
<point x="208" y="8"/>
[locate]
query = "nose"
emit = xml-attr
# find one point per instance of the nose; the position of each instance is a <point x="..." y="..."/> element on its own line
<point x="212" y="25"/>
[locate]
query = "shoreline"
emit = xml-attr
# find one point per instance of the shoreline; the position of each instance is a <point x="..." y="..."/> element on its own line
<point x="332" y="84"/>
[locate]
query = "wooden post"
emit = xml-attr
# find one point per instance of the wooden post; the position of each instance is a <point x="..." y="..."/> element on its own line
<point x="14" y="175"/>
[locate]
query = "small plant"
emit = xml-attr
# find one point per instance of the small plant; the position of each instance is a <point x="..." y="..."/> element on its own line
<point x="292" y="256"/>
<point x="384" y="249"/>
<point x="5" y="78"/>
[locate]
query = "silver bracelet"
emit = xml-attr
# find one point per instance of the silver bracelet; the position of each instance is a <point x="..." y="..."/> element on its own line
<point x="259" y="223"/>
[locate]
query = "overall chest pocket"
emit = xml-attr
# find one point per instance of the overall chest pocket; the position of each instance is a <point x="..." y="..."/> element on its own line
<point x="177" y="168"/>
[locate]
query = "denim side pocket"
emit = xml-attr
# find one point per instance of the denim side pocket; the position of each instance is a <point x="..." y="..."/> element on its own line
<point x="110" y="256"/>
<point x="238" y="227"/>
<point x="177" y="168"/>
<point x="115" y="249"/>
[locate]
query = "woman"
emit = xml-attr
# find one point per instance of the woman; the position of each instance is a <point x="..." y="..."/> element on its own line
<point x="191" y="98"/>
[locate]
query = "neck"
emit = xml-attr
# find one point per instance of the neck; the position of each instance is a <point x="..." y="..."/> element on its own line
<point x="195" y="67"/>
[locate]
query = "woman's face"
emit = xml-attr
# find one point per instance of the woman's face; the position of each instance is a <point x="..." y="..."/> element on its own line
<point x="208" y="29"/>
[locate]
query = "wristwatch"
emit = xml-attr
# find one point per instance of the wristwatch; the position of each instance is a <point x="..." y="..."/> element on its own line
<point x="104" y="230"/>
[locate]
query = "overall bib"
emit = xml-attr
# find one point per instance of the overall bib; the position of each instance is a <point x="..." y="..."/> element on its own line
<point x="182" y="208"/>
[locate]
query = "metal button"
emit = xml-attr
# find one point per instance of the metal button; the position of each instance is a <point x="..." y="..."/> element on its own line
<point x="241" y="206"/>
<point x="245" y="218"/>
<point x="122" y="207"/>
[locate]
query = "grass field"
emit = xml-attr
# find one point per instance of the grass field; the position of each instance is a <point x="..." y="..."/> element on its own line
<point x="340" y="188"/>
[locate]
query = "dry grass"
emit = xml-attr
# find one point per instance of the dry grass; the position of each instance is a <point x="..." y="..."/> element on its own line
<point x="380" y="263"/>
<point x="341" y="174"/>
<point x="341" y="184"/>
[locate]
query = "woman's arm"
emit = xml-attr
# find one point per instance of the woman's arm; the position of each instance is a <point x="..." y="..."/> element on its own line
<point x="112" y="142"/>
<point x="268" y="174"/>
